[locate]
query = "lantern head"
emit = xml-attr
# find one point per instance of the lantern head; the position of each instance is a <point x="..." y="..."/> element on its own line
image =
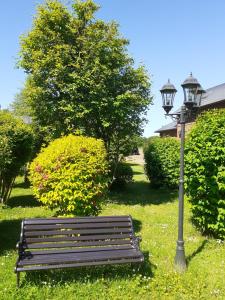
<point x="168" y="92"/>
<point x="190" y="87"/>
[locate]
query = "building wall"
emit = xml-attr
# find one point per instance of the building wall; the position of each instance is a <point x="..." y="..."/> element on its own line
<point x="188" y="127"/>
<point x="171" y="132"/>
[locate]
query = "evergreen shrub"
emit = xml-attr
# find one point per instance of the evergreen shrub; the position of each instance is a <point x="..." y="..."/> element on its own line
<point x="162" y="161"/>
<point x="205" y="172"/>
<point x="71" y="175"/>
<point x="123" y="174"/>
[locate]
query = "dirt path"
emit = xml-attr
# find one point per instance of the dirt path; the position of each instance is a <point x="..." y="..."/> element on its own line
<point x="136" y="159"/>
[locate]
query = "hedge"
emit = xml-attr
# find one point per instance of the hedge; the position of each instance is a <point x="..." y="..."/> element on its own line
<point x="123" y="174"/>
<point x="162" y="161"/>
<point x="205" y="172"/>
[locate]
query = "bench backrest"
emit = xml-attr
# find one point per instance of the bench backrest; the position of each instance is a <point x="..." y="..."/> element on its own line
<point x="76" y="232"/>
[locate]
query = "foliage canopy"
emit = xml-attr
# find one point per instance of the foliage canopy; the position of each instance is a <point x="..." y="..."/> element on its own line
<point x="80" y="76"/>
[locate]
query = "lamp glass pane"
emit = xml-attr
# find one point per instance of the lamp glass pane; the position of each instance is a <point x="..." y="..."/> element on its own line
<point x="190" y="95"/>
<point x="168" y="99"/>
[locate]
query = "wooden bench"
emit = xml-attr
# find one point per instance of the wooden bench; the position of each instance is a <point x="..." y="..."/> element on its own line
<point x="56" y="243"/>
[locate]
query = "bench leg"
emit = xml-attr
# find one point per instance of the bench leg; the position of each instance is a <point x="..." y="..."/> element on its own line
<point x="18" y="279"/>
<point x="137" y="266"/>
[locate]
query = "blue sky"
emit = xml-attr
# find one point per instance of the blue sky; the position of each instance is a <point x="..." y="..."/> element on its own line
<point x="171" y="38"/>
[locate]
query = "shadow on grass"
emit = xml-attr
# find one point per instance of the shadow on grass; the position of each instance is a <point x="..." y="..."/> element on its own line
<point x="22" y="185"/>
<point x="137" y="173"/>
<point x="140" y="192"/>
<point x="197" y="251"/>
<point x="137" y="225"/>
<point x="23" y="201"/>
<point x="22" y="196"/>
<point x="90" y="274"/>
<point x="132" y="164"/>
<point x="9" y="234"/>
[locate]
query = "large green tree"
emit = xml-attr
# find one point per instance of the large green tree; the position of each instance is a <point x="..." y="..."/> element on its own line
<point x="80" y="76"/>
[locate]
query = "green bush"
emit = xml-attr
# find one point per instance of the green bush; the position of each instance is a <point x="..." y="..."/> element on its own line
<point x="70" y="175"/>
<point x="16" y="140"/>
<point x="162" y="161"/>
<point x="123" y="174"/>
<point x="205" y="172"/>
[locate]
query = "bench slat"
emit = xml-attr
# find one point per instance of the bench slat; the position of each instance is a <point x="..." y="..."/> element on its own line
<point x="81" y="231"/>
<point x="78" y="244"/>
<point x="72" y="250"/>
<point x="77" y="220"/>
<point x="96" y="263"/>
<point x="78" y="238"/>
<point x="77" y="226"/>
<point x="79" y="257"/>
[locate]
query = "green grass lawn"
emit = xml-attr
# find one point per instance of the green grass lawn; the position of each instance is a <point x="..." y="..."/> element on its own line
<point x="155" y="219"/>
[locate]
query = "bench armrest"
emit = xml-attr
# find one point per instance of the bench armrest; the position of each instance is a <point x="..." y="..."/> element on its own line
<point x="136" y="241"/>
<point x="20" y="245"/>
<point x="20" y="248"/>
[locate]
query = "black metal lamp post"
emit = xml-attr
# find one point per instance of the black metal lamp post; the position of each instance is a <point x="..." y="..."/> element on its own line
<point x="192" y="100"/>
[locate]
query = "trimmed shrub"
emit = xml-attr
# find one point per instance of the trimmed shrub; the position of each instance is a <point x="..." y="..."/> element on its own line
<point x="16" y="141"/>
<point x="70" y="175"/>
<point x="162" y="161"/>
<point x="123" y="175"/>
<point x="205" y="172"/>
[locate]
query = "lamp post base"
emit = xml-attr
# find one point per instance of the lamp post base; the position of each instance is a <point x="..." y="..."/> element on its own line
<point x="180" y="261"/>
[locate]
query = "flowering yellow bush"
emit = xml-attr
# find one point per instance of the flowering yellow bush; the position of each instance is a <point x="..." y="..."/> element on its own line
<point x="71" y="175"/>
